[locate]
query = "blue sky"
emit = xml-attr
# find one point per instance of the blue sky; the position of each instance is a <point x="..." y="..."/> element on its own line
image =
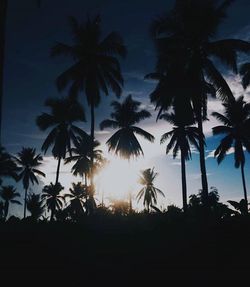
<point x="30" y="76"/>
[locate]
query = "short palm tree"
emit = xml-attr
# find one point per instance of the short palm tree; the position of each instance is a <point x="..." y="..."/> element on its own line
<point x="95" y="68"/>
<point x="9" y="195"/>
<point x="35" y="206"/>
<point x="52" y="197"/>
<point x="182" y="136"/>
<point x="28" y="162"/>
<point x="81" y="155"/>
<point x="64" y="112"/>
<point x="235" y="120"/>
<point x="149" y="191"/>
<point x="126" y="114"/>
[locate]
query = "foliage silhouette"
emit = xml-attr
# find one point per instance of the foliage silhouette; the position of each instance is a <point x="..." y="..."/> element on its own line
<point x="9" y="195"/>
<point x="64" y="112"/>
<point x="236" y="123"/>
<point x="28" y="162"/>
<point x="245" y="73"/>
<point x="126" y="114"/>
<point x="8" y="167"/>
<point x="35" y="206"/>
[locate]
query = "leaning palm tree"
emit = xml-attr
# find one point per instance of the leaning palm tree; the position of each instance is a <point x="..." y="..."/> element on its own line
<point x="81" y="156"/>
<point x="64" y="112"/>
<point x="236" y="125"/>
<point x="149" y="191"/>
<point x="35" y="206"/>
<point x="52" y="197"/>
<point x="96" y="68"/>
<point x="185" y="44"/>
<point x="28" y="162"/>
<point x="126" y="114"/>
<point x="9" y="195"/>
<point x="181" y="137"/>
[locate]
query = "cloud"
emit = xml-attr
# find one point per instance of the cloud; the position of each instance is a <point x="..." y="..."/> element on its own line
<point x="230" y="151"/>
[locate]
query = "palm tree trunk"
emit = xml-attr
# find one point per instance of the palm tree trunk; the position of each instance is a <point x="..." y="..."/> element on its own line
<point x="202" y="161"/>
<point x="58" y="170"/>
<point x="244" y="186"/>
<point x="3" y="14"/>
<point x="184" y="182"/>
<point x="92" y="135"/>
<point x="52" y="214"/>
<point x="6" y="209"/>
<point x="25" y="203"/>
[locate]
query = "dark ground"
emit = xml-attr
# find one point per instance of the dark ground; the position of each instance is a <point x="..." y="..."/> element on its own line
<point x="116" y="250"/>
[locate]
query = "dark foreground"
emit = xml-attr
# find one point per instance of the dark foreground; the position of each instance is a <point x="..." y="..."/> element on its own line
<point x="118" y="249"/>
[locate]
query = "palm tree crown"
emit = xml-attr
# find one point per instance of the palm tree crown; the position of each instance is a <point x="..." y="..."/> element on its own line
<point x="35" y="206"/>
<point x="149" y="191"/>
<point x="28" y="162"/>
<point x="124" y="117"/>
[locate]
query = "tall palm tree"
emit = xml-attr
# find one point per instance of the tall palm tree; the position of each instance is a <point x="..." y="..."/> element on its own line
<point x="8" y="167"/>
<point x="52" y="197"/>
<point x="35" y="206"/>
<point x="28" y="162"/>
<point x="64" y="112"/>
<point x="96" y="68"/>
<point x="182" y="136"/>
<point x="9" y="195"/>
<point x="81" y="155"/>
<point x="126" y="114"/>
<point x="236" y="126"/>
<point x="149" y="191"/>
<point x="185" y="45"/>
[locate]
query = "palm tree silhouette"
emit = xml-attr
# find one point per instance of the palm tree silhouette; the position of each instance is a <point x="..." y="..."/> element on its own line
<point x="81" y="155"/>
<point x="52" y="197"/>
<point x="8" y="167"/>
<point x="181" y="137"/>
<point x="96" y="68"/>
<point x="236" y="123"/>
<point x="9" y="195"/>
<point x="35" y="206"/>
<point x="64" y="112"/>
<point x="126" y="114"/>
<point x="149" y="191"/>
<point x="28" y="162"/>
<point x="245" y="73"/>
<point x="184" y="56"/>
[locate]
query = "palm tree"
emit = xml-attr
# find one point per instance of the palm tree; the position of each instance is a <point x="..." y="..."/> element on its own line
<point x="245" y="73"/>
<point x="185" y="45"/>
<point x="149" y="191"/>
<point x="28" y="162"/>
<point x="235" y="120"/>
<point x="9" y="195"/>
<point x="126" y="114"/>
<point x="8" y="167"/>
<point x="35" y="206"/>
<point x="182" y="136"/>
<point x="52" y="197"/>
<point x="64" y="112"/>
<point x="81" y="155"/>
<point x="96" y="68"/>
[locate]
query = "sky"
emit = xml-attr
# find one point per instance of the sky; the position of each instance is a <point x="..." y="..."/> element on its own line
<point x="30" y="75"/>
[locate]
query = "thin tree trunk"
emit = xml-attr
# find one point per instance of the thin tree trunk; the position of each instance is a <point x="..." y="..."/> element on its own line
<point x="3" y="14"/>
<point x="6" y="209"/>
<point x="92" y="135"/>
<point x="244" y="186"/>
<point x="58" y="170"/>
<point x="52" y="214"/>
<point x="184" y="182"/>
<point x="202" y="161"/>
<point x="25" y="202"/>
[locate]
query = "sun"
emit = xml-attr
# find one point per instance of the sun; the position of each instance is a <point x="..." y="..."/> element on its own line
<point x="118" y="179"/>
